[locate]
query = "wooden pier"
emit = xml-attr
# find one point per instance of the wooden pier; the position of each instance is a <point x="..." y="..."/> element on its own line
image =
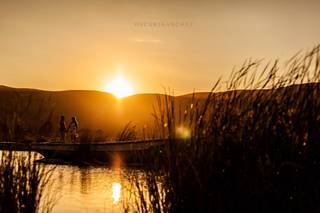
<point x="127" y="151"/>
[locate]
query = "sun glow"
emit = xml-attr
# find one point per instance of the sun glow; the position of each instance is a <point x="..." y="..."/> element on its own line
<point x="119" y="87"/>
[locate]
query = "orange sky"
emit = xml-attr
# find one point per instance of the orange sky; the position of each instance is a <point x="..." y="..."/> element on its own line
<point x="59" y="45"/>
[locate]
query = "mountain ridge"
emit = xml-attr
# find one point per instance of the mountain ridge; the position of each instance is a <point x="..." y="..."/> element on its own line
<point x="95" y="110"/>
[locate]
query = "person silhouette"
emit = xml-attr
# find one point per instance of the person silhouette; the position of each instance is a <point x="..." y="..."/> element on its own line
<point x="62" y="129"/>
<point x="73" y="128"/>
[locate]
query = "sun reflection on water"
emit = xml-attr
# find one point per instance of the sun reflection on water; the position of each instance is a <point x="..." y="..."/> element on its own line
<point x="116" y="192"/>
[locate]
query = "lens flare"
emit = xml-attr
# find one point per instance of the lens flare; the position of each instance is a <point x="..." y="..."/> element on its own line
<point x="183" y="132"/>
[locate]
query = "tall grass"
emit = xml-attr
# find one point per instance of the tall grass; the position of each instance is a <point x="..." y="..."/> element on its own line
<point x="253" y="148"/>
<point x="17" y="113"/>
<point x="24" y="184"/>
<point x="127" y="133"/>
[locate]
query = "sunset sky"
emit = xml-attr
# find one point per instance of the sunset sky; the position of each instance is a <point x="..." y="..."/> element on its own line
<point x="81" y="44"/>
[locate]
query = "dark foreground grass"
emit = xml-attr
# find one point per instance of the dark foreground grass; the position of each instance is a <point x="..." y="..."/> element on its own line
<point x="253" y="148"/>
<point x="24" y="184"/>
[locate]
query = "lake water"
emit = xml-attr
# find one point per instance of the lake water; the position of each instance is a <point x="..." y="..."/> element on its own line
<point x="91" y="189"/>
<point x="88" y="188"/>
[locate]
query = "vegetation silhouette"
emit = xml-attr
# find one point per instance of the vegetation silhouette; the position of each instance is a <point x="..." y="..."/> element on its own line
<point x="24" y="183"/>
<point x="253" y="148"/>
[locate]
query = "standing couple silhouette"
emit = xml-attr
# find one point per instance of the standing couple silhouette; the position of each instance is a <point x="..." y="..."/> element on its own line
<point x="72" y="129"/>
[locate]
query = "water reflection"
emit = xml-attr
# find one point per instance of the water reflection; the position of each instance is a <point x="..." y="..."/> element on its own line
<point x="85" y="180"/>
<point x="92" y="189"/>
<point x="116" y="191"/>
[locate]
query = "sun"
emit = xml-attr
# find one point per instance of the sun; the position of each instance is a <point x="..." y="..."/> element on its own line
<point x="119" y="87"/>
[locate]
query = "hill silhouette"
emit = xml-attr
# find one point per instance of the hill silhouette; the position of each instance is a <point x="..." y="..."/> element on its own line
<point x="95" y="110"/>
<point x="33" y="110"/>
